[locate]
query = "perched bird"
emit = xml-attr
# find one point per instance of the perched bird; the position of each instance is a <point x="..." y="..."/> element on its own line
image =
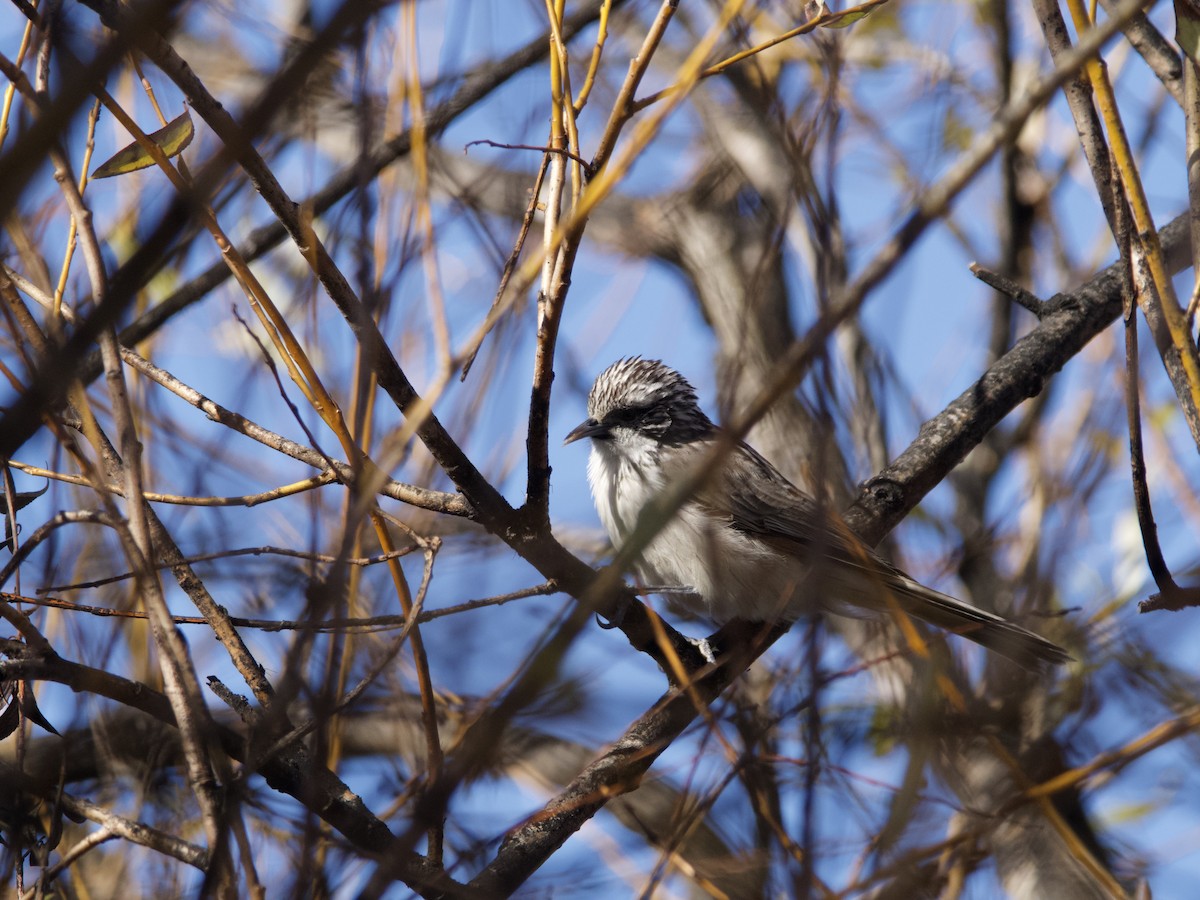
<point x="748" y="544"/>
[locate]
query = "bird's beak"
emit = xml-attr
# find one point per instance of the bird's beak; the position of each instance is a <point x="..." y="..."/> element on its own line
<point x="587" y="429"/>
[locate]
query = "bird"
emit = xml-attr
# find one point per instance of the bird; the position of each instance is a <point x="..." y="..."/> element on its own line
<point x="747" y="544"/>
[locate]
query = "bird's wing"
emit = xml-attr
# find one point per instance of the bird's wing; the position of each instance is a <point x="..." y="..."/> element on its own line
<point x="756" y="499"/>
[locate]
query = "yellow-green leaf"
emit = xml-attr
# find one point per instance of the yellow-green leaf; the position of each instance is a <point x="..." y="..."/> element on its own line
<point x="1187" y="28"/>
<point x="172" y="138"/>
<point x="848" y="17"/>
<point x="956" y="134"/>
<point x="1130" y="812"/>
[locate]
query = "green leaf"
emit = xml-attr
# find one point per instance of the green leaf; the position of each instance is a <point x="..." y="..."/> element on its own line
<point x="957" y="134"/>
<point x="21" y="499"/>
<point x="172" y="138"/>
<point x="848" y="17"/>
<point x="1187" y="28"/>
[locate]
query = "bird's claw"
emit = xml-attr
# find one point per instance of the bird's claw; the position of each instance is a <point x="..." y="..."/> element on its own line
<point x="618" y="616"/>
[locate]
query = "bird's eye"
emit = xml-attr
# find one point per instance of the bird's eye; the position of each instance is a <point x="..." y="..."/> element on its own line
<point x="626" y="416"/>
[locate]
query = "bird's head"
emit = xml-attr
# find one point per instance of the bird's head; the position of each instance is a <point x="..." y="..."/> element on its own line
<point x="639" y="399"/>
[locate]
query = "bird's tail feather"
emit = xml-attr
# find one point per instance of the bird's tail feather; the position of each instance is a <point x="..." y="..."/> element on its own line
<point x="987" y="629"/>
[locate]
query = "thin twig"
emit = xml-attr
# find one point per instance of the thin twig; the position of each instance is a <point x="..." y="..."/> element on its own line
<point x="1133" y="414"/>
<point x="1005" y="285"/>
<point x="247" y="500"/>
<point x="329" y="625"/>
<point x="118" y="826"/>
<point x="493" y="315"/>
<point x="587" y="166"/>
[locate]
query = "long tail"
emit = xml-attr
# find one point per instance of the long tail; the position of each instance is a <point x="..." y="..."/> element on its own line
<point x="1021" y="646"/>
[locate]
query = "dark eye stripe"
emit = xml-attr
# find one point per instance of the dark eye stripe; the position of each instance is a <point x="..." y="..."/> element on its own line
<point x="627" y="415"/>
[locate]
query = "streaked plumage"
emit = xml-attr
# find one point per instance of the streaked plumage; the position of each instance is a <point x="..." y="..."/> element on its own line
<point x="750" y="544"/>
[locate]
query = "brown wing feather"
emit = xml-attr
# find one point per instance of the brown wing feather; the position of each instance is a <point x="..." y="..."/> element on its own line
<point x="756" y="499"/>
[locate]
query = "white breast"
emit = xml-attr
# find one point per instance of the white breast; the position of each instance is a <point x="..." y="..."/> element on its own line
<point x="727" y="574"/>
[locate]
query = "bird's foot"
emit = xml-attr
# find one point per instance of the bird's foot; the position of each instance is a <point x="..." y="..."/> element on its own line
<point x="620" y="610"/>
